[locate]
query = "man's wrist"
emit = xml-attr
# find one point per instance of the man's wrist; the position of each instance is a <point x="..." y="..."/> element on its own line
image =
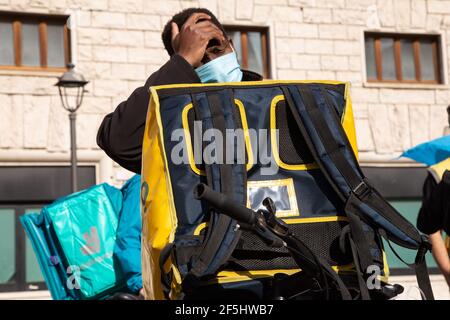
<point x="188" y="59"/>
<point x="185" y="58"/>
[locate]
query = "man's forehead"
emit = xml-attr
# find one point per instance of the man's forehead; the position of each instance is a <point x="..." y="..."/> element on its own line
<point x="215" y="22"/>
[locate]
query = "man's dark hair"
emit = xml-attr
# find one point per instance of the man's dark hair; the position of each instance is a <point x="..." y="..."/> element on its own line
<point x="180" y="18"/>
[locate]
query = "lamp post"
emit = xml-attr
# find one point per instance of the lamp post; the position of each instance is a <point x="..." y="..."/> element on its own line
<point x="71" y="91"/>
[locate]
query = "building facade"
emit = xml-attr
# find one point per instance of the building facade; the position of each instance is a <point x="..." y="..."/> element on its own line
<point x="394" y="53"/>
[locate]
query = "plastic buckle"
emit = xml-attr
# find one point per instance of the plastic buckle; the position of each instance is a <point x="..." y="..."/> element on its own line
<point x="426" y="243"/>
<point x="361" y="189"/>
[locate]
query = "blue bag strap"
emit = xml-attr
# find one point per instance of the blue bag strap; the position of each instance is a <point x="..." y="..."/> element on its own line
<point x="230" y="179"/>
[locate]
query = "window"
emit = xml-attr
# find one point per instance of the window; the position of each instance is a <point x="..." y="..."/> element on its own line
<point x="252" y="48"/>
<point x="19" y="269"/>
<point x="34" y="42"/>
<point x="22" y="190"/>
<point x="402" y="58"/>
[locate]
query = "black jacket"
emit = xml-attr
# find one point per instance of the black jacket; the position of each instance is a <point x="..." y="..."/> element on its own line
<point x="434" y="215"/>
<point x="121" y="133"/>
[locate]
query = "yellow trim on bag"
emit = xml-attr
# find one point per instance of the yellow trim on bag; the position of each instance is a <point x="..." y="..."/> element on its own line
<point x="316" y="220"/>
<point x="159" y="219"/>
<point x="347" y="122"/>
<point x="288" y="183"/>
<point x="203" y="225"/>
<point x="173" y="214"/>
<point x="236" y="276"/>
<point x="176" y="282"/>
<point x="248" y="143"/>
<point x="274" y="141"/>
<point x="188" y="139"/>
<point x="244" y="84"/>
<point x="385" y="277"/>
<point x="199" y="228"/>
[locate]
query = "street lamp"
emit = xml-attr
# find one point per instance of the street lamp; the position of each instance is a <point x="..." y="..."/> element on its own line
<point x="71" y="90"/>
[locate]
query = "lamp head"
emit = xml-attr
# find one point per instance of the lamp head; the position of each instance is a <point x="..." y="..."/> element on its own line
<point x="71" y="79"/>
<point x="71" y="83"/>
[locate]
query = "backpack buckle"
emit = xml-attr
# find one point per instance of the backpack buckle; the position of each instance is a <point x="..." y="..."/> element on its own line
<point x="425" y="242"/>
<point x="361" y="190"/>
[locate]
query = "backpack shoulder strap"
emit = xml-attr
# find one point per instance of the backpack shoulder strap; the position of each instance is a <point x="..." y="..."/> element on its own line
<point x="217" y="111"/>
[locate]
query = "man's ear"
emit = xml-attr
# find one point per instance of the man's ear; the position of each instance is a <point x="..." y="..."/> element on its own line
<point x="174" y="36"/>
<point x="175" y="30"/>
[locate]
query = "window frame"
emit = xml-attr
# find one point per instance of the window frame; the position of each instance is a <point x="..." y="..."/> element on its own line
<point x="265" y="44"/>
<point x="17" y="19"/>
<point x="416" y="39"/>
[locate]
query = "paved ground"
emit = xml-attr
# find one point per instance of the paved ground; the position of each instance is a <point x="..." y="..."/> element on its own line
<point x="440" y="288"/>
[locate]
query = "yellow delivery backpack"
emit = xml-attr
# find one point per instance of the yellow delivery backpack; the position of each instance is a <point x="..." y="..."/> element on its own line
<point x="291" y="143"/>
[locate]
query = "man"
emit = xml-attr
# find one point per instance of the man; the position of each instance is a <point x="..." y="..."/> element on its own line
<point x="199" y="51"/>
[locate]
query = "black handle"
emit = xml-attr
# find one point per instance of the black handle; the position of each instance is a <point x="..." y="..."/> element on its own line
<point x="224" y="205"/>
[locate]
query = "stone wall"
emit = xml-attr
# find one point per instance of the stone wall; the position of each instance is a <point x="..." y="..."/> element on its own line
<point x="116" y="45"/>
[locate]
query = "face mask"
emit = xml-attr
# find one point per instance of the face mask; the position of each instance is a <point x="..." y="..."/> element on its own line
<point x="223" y="69"/>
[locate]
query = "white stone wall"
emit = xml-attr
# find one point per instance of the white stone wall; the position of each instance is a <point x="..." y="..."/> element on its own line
<point x="116" y="45"/>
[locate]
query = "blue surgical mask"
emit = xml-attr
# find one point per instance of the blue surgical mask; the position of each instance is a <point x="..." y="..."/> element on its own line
<point x="223" y="69"/>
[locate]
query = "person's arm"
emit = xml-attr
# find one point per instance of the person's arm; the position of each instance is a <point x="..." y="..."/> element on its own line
<point x="440" y="254"/>
<point x="121" y="133"/>
<point x="429" y="219"/>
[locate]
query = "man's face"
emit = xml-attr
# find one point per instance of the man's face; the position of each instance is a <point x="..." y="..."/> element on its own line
<point x="216" y="49"/>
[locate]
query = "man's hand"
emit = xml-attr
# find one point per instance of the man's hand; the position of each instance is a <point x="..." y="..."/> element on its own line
<point x="192" y="40"/>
